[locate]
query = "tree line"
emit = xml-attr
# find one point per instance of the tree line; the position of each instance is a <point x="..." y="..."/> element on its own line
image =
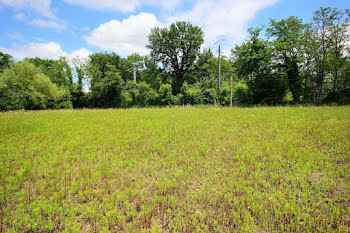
<point x="286" y="62"/>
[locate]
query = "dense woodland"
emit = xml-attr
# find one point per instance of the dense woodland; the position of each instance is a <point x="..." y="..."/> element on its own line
<point x="286" y="62"/>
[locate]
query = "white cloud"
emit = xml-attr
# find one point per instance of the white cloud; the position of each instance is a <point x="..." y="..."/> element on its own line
<point x="50" y="50"/>
<point x="59" y="26"/>
<point x="126" y="36"/>
<point x="123" y="5"/>
<point x="219" y="19"/>
<point x="80" y="53"/>
<point x="43" y="50"/>
<point x="19" y="16"/>
<point x="226" y="19"/>
<point x="43" y="7"/>
<point x="118" y="5"/>
<point x="15" y="36"/>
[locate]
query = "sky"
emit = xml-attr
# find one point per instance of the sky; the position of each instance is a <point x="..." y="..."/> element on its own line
<point x="77" y="28"/>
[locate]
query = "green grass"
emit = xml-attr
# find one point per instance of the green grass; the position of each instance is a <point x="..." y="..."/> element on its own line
<point x="277" y="169"/>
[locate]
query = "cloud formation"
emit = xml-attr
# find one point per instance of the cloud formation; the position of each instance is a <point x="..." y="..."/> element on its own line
<point x="222" y="19"/>
<point x="219" y="19"/>
<point x="43" y="7"/>
<point x="50" y="50"/>
<point x="117" y="5"/>
<point x="19" y="16"/>
<point x="126" y="36"/>
<point x="59" y="26"/>
<point x="123" y="5"/>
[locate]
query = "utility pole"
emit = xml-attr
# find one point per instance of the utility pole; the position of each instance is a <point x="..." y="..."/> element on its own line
<point x="219" y="74"/>
<point x="231" y="92"/>
<point x="134" y="71"/>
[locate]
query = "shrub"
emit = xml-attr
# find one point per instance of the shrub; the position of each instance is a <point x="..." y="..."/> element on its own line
<point x="225" y="95"/>
<point x="191" y="95"/>
<point x="165" y="95"/>
<point x="241" y="94"/>
<point x="209" y="96"/>
<point x="288" y="98"/>
<point x="63" y="100"/>
<point x="23" y="86"/>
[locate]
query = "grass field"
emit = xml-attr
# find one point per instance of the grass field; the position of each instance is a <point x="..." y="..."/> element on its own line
<point x="273" y="169"/>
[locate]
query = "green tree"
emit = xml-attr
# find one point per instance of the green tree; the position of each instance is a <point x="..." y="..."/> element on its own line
<point x="176" y="47"/>
<point x="106" y="83"/>
<point x="191" y="94"/>
<point x="58" y="71"/>
<point x="5" y="61"/>
<point x="339" y="35"/>
<point x="141" y="94"/>
<point x="288" y="42"/>
<point x="77" y="92"/>
<point x="165" y="95"/>
<point x="100" y="61"/>
<point x="24" y="86"/>
<point x="110" y="87"/>
<point x="241" y="94"/>
<point x="152" y="74"/>
<point x="254" y="65"/>
<point x="320" y="47"/>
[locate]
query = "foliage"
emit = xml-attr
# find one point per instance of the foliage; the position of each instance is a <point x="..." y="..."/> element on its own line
<point x="254" y="62"/>
<point x="176" y="47"/>
<point x="310" y="61"/>
<point x="58" y="71"/>
<point x="327" y="45"/>
<point x="288" y="98"/>
<point x="23" y="86"/>
<point x="152" y="74"/>
<point x="191" y="95"/>
<point x="241" y="94"/>
<point x="63" y="100"/>
<point x="106" y="89"/>
<point x="165" y="95"/>
<point x="288" y="44"/>
<point x="5" y="61"/>
<point x="141" y="94"/>
<point x="271" y="169"/>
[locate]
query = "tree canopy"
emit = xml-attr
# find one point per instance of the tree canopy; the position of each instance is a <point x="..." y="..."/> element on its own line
<point x="176" y="47"/>
<point x="286" y="62"/>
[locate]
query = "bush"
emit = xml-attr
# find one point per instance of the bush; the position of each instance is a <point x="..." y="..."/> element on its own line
<point x="165" y="95"/>
<point x="225" y="94"/>
<point x="269" y="90"/>
<point x="126" y="99"/>
<point x="23" y="86"/>
<point x="191" y="95"/>
<point x="209" y="96"/>
<point x="241" y="94"/>
<point x="63" y="100"/>
<point x="288" y="98"/>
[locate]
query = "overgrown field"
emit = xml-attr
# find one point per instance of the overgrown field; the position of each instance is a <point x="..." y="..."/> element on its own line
<point x="277" y="169"/>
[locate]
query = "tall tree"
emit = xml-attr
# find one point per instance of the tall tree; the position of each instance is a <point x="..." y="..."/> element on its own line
<point x="339" y="36"/>
<point x="253" y="63"/>
<point x="5" y="61"/>
<point x="176" y="47"/>
<point x="152" y="73"/>
<point x="288" y="39"/>
<point x="106" y="83"/>
<point x="80" y="67"/>
<point x="58" y="71"/>
<point x="320" y="47"/>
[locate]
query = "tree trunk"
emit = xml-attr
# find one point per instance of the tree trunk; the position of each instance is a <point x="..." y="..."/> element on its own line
<point x="335" y="80"/>
<point x="178" y="82"/>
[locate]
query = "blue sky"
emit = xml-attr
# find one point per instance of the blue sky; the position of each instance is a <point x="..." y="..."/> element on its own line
<point x="53" y="28"/>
